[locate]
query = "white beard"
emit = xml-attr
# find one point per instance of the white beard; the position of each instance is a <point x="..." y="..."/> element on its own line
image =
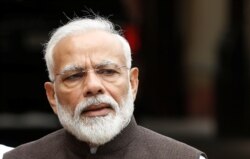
<point x="97" y="130"/>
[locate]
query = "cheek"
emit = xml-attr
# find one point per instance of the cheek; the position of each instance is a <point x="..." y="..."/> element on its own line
<point x="119" y="91"/>
<point x="68" y="98"/>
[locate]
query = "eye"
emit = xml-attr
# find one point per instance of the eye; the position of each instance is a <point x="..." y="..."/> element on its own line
<point x="73" y="76"/>
<point x="107" y="71"/>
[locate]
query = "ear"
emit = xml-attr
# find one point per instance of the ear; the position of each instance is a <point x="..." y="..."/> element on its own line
<point x="50" y="92"/>
<point x="134" y="81"/>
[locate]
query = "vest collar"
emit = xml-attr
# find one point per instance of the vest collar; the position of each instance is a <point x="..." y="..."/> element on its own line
<point x="125" y="137"/>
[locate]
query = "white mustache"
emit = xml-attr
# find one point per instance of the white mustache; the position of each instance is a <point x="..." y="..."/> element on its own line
<point x="83" y="105"/>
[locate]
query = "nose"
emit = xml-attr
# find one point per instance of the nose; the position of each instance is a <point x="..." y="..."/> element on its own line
<point x="92" y="85"/>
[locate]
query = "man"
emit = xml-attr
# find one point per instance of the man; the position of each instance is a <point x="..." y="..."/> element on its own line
<point x="92" y="91"/>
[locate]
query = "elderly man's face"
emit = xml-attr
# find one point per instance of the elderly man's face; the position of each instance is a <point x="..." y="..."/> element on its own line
<point x="90" y="65"/>
<point x="88" y="51"/>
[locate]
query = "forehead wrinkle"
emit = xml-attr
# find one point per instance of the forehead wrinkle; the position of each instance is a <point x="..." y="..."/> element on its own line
<point x="100" y="63"/>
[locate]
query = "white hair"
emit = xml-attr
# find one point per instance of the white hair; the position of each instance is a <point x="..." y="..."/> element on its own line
<point x="83" y="25"/>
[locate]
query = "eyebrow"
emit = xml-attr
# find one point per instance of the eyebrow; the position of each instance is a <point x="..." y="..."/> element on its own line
<point x="71" y="68"/>
<point x="105" y="63"/>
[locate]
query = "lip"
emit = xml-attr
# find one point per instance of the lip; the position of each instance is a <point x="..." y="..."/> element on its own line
<point x="97" y="110"/>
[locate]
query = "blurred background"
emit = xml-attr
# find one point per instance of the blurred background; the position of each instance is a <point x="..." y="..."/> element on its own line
<point x="194" y="60"/>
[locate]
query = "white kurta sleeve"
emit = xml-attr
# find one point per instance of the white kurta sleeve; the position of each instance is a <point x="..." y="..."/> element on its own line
<point x="202" y="157"/>
<point x="4" y="149"/>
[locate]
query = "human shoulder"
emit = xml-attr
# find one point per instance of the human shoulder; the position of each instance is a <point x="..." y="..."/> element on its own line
<point x="164" y="145"/>
<point x="44" y="145"/>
